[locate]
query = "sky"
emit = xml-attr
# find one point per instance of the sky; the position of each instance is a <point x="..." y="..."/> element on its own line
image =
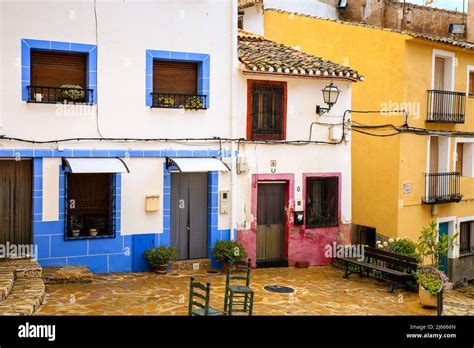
<point x="446" y="4"/>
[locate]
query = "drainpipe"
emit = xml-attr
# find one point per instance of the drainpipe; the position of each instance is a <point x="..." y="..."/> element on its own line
<point x="233" y="119"/>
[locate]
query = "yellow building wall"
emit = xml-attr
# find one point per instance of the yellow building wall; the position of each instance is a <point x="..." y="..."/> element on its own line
<point x="398" y="73"/>
<point x="378" y="55"/>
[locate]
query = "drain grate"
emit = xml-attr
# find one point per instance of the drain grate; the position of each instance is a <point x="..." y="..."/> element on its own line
<point x="280" y="289"/>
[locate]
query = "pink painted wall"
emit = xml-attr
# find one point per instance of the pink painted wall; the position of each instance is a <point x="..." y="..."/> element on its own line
<point x="301" y="244"/>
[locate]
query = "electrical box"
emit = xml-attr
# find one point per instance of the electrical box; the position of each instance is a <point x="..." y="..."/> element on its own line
<point x="242" y="165"/>
<point x="224" y="202"/>
<point x="152" y="202"/>
<point x="335" y="133"/>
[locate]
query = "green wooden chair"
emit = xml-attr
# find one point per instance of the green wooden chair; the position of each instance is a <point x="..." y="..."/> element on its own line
<point x="238" y="294"/>
<point x="199" y="296"/>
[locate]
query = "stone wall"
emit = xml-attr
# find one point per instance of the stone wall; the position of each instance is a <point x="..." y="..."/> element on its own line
<point x="409" y="17"/>
<point x="470" y="21"/>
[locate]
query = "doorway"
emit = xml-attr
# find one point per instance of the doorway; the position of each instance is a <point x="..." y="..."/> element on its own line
<point x="189" y="215"/>
<point x="271" y="198"/>
<point x="15" y="202"/>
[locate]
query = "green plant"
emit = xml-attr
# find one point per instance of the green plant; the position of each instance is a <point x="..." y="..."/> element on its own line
<point x="193" y="103"/>
<point x="403" y="247"/>
<point x="433" y="248"/>
<point x="158" y="256"/>
<point x="432" y="280"/>
<point x="229" y="250"/>
<point x="165" y="101"/>
<point x="72" y="92"/>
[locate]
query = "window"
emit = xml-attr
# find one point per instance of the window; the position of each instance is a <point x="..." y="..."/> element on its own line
<point x="466" y="238"/>
<point x="54" y="71"/>
<point x="240" y="22"/>
<point x="175" y="85"/>
<point x="471" y="83"/>
<point x="90" y="205"/>
<point x="322" y="202"/>
<point x="266" y="117"/>
<point x="459" y="157"/>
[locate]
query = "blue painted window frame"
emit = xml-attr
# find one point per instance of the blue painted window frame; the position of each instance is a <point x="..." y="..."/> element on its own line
<point x="44" y="45"/>
<point x="203" y="61"/>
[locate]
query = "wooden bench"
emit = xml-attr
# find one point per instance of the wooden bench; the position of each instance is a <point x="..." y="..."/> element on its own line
<point x="397" y="268"/>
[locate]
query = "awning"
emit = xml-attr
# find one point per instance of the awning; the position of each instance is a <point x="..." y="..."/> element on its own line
<point x="96" y="165"/>
<point x="196" y="164"/>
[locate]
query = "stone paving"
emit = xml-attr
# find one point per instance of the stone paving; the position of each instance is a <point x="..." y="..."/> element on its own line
<point x="319" y="291"/>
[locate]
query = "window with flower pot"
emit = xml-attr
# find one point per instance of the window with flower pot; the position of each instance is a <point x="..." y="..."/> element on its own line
<point x="322" y="202"/>
<point x="175" y="85"/>
<point x="90" y="210"/>
<point x="266" y="110"/>
<point x="58" y="77"/>
<point x="466" y="238"/>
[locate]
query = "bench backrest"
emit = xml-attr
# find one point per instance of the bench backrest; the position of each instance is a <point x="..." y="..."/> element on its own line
<point x="392" y="255"/>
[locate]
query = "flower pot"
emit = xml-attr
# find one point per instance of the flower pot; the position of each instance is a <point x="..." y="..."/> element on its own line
<point x="93" y="232"/>
<point x="38" y="97"/>
<point x="76" y="233"/>
<point x="161" y="269"/>
<point x="427" y="299"/>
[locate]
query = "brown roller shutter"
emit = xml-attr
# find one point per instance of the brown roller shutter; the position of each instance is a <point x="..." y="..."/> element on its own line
<point x="174" y="77"/>
<point x="53" y="69"/>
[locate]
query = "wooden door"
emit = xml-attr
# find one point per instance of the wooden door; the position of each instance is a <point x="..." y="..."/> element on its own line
<point x="270" y="221"/>
<point x="189" y="215"/>
<point x="15" y="202"/>
<point x="439" y="74"/>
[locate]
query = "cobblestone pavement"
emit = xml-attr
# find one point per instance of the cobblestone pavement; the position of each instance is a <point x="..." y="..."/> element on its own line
<point x="319" y="291"/>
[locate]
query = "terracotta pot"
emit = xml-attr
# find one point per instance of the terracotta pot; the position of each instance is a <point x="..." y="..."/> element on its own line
<point x="427" y="299"/>
<point x="161" y="269"/>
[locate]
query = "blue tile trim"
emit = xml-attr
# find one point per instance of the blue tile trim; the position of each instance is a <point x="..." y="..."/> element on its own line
<point x="204" y="70"/>
<point x="40" y="153"/>
<point x="29" y="44"/>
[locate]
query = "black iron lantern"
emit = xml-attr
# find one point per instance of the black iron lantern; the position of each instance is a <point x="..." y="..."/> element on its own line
<point x="330" y="95"/>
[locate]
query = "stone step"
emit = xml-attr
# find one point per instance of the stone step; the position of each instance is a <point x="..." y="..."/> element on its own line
<point x="22" y="268"/>
<point x="67" y="275"/>
<point x="190" y="265"/>
<point x="25" y="298"/>
<point x="7" y="278"/>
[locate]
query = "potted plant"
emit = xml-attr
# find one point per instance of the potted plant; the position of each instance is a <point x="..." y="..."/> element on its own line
<point x="71" y="93"/>
<point x="159" y="257"/>
<point x="193" y="103"/>
<point x="93" y="232"/>
<point x="76" y="233"/>
<point x="226" y="251"/>
<point x="38" y="97"/>
<point x="166" y="102"/>
<point x="432" y="248"/>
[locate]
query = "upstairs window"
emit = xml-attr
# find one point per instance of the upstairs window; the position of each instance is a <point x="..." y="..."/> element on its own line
<point x="58" y="77"/>
<point x="175" y="85"/>
<point x="90" y="205"/>
<point x="466" y="238"/>
<point x="266" y="119"/>
<point x="471" y="83"/>
<point x="322" y="202"/>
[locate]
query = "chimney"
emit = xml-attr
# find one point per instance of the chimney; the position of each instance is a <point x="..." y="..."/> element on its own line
<point x="470" y="21"/>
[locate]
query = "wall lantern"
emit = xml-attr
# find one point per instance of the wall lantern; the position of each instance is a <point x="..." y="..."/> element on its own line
<point x="330" y="95"/>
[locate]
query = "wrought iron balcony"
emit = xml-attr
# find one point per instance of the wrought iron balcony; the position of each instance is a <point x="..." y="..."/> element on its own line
<point x="442" y="188"/>
<point x="179" y="101"/>
<point x="53" y="95"/>
<point x="446" y="107"/>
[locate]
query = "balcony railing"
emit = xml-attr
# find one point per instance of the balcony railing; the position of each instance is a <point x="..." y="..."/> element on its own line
<point x="53" y="95"/>
<point x="446" y="107"/>
<point x="179" y="101"/>
<point x="442" y="188"/>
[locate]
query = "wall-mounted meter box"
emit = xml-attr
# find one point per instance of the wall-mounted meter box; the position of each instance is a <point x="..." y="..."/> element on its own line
<point x="224" y="202"/>
<point x="152" y="202"/>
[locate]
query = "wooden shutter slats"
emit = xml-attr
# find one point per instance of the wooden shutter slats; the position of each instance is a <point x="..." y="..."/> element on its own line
<point x="53" y="69"/>
<point x="174" y="77"/>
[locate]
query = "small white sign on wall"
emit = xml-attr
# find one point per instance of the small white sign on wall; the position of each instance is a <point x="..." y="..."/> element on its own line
<point x="407" y="188"/>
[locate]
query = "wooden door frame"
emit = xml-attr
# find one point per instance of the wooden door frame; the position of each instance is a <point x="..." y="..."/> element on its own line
<point x="289" y="203"/>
